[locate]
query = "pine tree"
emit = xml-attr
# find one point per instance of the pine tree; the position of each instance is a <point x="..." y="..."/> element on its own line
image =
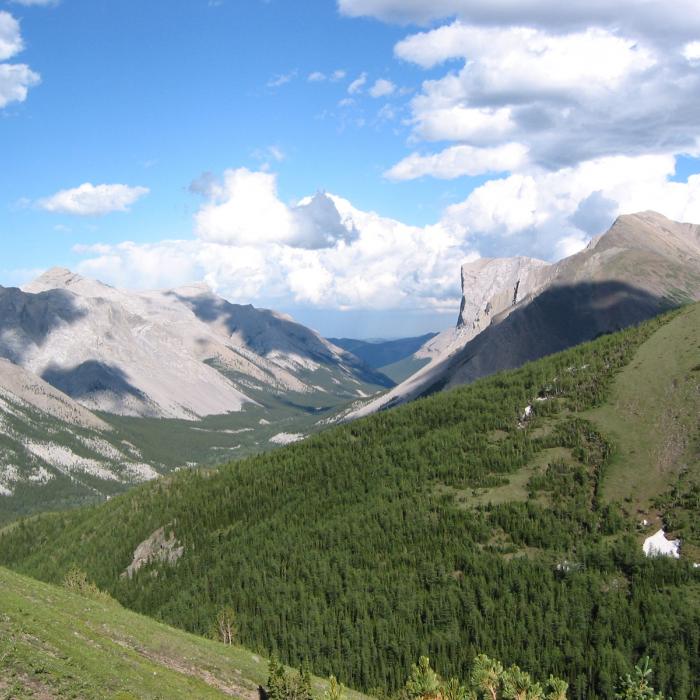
<point x="637" y="686"/>
<point x="423" y="682"/>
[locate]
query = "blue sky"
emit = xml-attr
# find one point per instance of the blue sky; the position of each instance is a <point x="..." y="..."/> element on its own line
<point x="153" y="95"/>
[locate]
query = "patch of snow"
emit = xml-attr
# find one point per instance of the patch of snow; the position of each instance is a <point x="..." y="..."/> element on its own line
<point x="286" y="438"/>
<point x="262" y="421"/>
<point x="658" y="546"/>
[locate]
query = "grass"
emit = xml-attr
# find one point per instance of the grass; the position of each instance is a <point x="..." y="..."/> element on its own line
<point x="652" y="415"/>
<point x="57" y="644"/>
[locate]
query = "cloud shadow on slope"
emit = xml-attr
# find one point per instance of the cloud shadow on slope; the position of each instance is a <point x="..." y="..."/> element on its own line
<point x="27" y="320"/>
<point x="89" y="378"/>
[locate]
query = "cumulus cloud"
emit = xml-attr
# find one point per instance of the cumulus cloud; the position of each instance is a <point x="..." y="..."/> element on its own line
<point x="457" y="161"/>
<point x="10" y="36"/>
<point x="652" y="17"/>
<point x="542" y="213"/>
<point x="15" y="78"/>
<point x="244" y="209"/>
<point x="323" y="252"/>
<point x="382" y="88"/>
<point x="92" y="200"/>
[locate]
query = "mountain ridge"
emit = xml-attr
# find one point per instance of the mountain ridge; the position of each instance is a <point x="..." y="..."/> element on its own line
<point x="643" y="264"/>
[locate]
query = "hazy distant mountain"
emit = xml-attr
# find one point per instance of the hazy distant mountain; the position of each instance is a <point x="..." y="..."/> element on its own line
<point x="518" y="309"/>
<point x="182" y="353"/>
<point x="391" y="357"/>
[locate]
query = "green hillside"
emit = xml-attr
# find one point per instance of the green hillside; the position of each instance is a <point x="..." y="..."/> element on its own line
<point x="57" y="644"/>
<point x="453" y="525"/>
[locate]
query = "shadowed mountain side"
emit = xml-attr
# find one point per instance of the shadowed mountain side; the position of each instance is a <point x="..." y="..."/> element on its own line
<point x="27" y="320"/>
<point x="267" y="333"/>
<point x="558" y="318"/>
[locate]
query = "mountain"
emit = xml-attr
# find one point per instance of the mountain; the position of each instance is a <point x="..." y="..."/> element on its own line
<point x="55" y="451"/>
<point x="390" y="357"/>
<point x="507" y="516"/>
<point x="86" y="646"/>
<point x="182" y="353"/>
<point x="515" y="310"/>
<point x="178" y="377"/>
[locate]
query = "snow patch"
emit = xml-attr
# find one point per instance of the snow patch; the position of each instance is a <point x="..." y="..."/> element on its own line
<point x="658" y="546"/>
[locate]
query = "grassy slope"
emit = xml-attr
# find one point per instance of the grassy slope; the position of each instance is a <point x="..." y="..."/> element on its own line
<point x="56" y="644"/>
<point x="652" y="418"/>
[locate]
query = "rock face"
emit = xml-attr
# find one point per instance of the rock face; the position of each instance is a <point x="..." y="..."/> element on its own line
<point x="518" y="309"/>
<point x="156" y="548"/>
<point x="492" y="285"/>
<point x="182" y="353"/>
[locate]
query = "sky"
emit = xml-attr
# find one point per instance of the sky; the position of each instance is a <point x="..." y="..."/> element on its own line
<point x="337" y="160"/>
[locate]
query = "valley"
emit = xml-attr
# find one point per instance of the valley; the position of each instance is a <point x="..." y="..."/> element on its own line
<point x="357" y="566"/>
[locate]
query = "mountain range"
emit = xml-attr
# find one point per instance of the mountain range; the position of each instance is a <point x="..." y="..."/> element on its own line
<point x="101" y="388"/>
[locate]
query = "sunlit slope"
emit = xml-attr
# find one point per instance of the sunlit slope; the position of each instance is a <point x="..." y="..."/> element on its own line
<point x="474" y="520"/>
<point x="653" y="418"/>
<point x="57" y="644"/>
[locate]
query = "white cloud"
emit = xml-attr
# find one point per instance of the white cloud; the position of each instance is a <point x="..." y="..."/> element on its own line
<point x="382" y="88"/>
<point x="514" y="62"/>
<point x="357" y="84"/>
<point x="542" y="212"/>
<point x="15" y="79"/>
<point x="10" y="36"/>
<point x="325" y="253"/>
<point x="457" y="161"/>
<point x="92" y="200"/>
<point x="666" y="20"/>
<point x="319" y="77"/>
<point x="245" y="210"/>
<point x="281" y="79"/>
<point x="459" y="123"/>
<point x="321" y="252"/>
<point x="691" y="51"/>
<point x="568" y="93"/>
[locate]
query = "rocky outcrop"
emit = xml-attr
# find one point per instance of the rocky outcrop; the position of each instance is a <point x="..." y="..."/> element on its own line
<point x="158" y="548"/>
